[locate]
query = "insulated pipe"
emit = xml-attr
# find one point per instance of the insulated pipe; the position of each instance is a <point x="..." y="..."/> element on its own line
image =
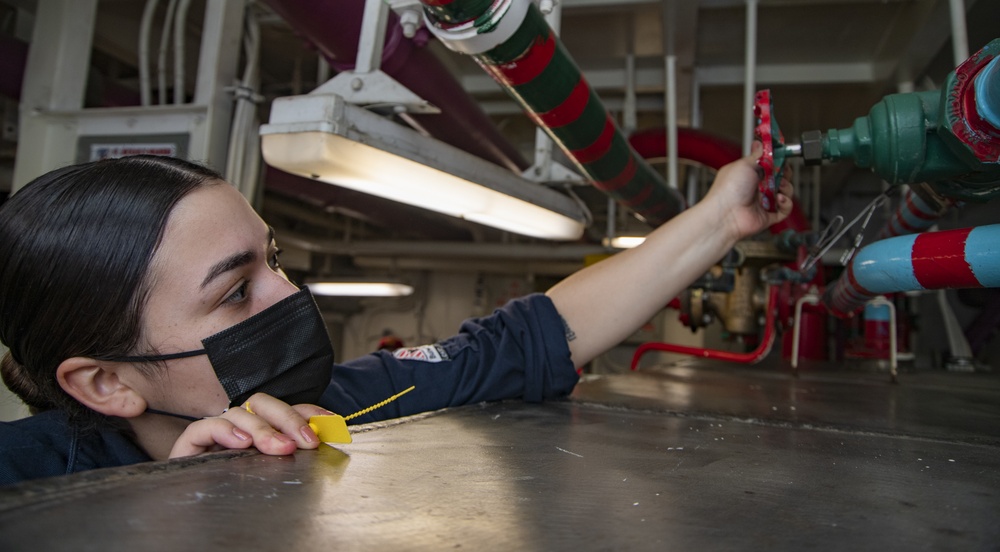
<point x="912" y="216"/>
<point x="965" y="258"/>
<point x="334" y="27"/>
<point x="512" y="42"/>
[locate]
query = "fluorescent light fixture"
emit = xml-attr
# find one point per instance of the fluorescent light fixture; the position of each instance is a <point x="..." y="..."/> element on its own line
<point x="360" y="289"/>
<point x="624" y="242"/>
<point x="322" y="136"/>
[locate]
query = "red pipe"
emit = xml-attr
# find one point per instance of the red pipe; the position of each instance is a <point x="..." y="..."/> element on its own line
<point x="709" y="150"/>
<point x="752" y="357"/>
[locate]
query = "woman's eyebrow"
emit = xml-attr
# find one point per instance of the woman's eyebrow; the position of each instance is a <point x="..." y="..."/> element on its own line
<point x="229" y="263"/>
<point x="235" y="261"/>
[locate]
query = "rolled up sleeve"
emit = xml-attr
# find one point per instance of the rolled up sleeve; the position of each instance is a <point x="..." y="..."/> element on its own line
<point x="519" y="351"/>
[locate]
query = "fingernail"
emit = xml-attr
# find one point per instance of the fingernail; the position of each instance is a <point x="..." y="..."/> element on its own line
<point x="307" y="434"/>
<point x="283" y="438"/>
<point x="240" y="434"/>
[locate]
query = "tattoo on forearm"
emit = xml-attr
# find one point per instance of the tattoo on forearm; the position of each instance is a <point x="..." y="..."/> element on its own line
<point x="570" y="334"/>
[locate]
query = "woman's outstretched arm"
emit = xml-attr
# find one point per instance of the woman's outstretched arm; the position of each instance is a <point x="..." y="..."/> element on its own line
<point x="606" y="302"/>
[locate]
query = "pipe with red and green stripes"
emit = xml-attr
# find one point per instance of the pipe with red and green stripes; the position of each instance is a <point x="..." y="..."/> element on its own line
<point x="511" y="41"/>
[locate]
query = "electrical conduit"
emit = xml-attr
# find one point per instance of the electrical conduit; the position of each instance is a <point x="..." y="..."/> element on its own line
<point x="511" y="41"/>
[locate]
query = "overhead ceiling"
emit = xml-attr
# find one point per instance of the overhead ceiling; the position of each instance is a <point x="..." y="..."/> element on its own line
<point x="826" y="62"/>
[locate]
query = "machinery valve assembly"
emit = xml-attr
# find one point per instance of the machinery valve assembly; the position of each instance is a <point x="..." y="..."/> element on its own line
<point x="949" y="138"/>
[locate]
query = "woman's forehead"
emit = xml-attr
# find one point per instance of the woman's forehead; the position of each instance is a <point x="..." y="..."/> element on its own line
<point x="208" y="224"/>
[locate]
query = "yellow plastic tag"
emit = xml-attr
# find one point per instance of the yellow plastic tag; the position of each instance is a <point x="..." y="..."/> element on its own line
<point x="332" y="428"/>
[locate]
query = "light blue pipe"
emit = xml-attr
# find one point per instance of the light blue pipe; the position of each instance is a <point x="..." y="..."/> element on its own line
<point x="982" y="250"/>
<point x="954" y="259"/>
<point x="988" y="93"/>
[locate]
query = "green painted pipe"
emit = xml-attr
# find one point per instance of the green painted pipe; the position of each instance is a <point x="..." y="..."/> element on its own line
<point x="511" y="41"/>
<point x="939" y="137"/>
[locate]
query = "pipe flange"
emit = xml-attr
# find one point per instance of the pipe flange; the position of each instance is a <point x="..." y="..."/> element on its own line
<point x="482" y="34"/>
<point x="962" y="112"/>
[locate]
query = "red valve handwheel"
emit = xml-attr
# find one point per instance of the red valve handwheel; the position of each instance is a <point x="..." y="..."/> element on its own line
<point x="770" y="136"/>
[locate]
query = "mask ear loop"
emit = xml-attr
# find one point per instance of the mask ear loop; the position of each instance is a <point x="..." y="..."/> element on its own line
<point x="165" y="413"/>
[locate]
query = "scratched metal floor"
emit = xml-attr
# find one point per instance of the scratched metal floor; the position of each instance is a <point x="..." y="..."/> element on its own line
<point x="696" y="456"/>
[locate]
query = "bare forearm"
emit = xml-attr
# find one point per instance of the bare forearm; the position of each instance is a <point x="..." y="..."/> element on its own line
<point x="605" y="303"/>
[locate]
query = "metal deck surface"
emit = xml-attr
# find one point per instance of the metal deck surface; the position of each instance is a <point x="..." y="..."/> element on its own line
<point x="697" y="456"/>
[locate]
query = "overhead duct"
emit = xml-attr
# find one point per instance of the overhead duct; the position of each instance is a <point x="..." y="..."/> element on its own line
<point x="511" y="40"/>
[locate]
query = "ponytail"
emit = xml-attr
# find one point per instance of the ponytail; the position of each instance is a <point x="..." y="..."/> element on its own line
<point x="17" y="380"/>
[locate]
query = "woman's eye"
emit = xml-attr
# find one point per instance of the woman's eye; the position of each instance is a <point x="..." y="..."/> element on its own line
<point x="273" y="261"/>
<point x="239" y="295"/>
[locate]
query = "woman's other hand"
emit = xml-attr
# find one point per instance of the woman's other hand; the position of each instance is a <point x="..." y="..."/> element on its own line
<point x="271" y="426"/>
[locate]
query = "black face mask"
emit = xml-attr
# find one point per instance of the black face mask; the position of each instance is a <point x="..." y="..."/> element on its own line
<point x="283" y="351"/>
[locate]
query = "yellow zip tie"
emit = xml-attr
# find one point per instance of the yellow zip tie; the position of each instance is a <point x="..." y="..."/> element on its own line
<point x="333" y="428"/>
<point x="381" y="404"/>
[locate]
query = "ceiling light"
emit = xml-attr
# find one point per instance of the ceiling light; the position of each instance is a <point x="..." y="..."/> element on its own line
<point x="322" y="136"/>
<point x="359" y="289"/>
<point x="624" y="242"/>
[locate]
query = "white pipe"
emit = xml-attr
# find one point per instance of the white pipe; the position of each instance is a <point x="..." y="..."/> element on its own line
<point x="817" y="188"/>
<point x="670" y="72"/>
<point x="543" y="143"/>
<point x="445" y="250"/>
<point x="629" y="118"/>
<point x="693" y="174"/>
<point x="959" y="36"/>
<point x="179" y="27"/>
<point x="242" y="159"/>
<point x="958" y="345"/>
<point x="672" y="160"/>
<point x="145" y="84"/>
<point x="611" y="232"/>
<point x="893" y="360"/>
<point x="322" y="70"/>
<point x="749" y="81"/>
<point x="812" y="299"/>
<point x="161" y="60"/>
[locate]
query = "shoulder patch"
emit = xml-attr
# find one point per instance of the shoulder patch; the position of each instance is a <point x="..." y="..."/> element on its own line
<point x="424" y="353"/>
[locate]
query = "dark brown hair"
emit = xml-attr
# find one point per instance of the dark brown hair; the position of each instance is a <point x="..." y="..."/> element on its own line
<point x="76" y="245"/>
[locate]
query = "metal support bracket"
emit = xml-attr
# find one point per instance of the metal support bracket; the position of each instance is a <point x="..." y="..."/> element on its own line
<point x="367" y="85"/>
<point x="544" y="169"/>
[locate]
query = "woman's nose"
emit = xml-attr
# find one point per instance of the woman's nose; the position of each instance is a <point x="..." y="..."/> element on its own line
<point x="273" y="287"/>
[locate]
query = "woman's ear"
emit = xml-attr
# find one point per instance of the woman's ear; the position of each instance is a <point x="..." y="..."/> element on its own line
<point x="96" y="385"/>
